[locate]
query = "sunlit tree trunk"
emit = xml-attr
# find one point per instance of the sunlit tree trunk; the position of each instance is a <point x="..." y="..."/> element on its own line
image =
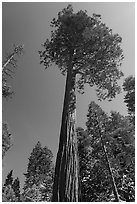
<point x="17" y="51"/>
<point x="71" y="168"/>
<point x="65" y="187"/>
<point x="114" y="187"/>
<point x="8" y="61"/>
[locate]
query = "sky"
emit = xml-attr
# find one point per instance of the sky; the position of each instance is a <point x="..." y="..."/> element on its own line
<point x="34" y="112"/>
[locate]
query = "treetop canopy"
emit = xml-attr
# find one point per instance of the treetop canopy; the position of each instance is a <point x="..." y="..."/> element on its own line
<point x="90" y="46"/>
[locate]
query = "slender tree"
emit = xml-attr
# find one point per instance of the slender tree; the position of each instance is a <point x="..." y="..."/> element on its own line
<point x="7" y="92"/>
<point x="119" y="139"/>
<point x="96" y="125"/>
<point x="85" y="164"/>
<point x="8" y="193"/>
<point x="81" y="45"/>
<point x="11" y="60"/>
<point x="122" y="149"/>
<point x="7" y="71"/>
<point x="94" y="176"/>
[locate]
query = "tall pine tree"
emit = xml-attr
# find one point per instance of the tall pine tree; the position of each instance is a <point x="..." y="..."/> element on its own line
<point x="81" y="45"/>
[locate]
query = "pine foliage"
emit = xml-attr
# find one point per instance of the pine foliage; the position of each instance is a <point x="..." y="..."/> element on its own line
<point x="16" y="188"/>
<point x="11" y="189"/>
<point x="39" y="176"/>
<point x="129" y="99"/>
<point x="82" y="45"/>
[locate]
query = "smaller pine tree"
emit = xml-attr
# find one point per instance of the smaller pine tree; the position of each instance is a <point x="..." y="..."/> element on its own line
<point x="39" y="176"/>
<point x="9" y="179"/>
<point x="16" y="188"/>
<point x="8" y="194"/>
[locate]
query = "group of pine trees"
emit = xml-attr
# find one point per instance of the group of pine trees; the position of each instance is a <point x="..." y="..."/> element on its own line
<point x="117" y="133"/>
<point x="106" y="147"/>
<point x="94" y="178"/>
<point x="11" y="189"/>
<point x="38" y="179"/>
<point x="8" y="66"/>
<point x="39" y="176"/>
<point x="95" y="185"/>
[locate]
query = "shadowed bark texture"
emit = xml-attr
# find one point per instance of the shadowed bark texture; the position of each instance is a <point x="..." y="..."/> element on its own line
<point x="65" y="188"/>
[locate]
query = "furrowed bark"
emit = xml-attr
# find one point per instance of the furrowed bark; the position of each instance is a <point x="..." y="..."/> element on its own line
<point x="65" y="180"/>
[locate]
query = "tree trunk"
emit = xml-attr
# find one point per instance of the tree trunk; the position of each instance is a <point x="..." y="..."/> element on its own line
<point x="115" y="191"/>
<point x="65" y="187"/>
<point x="71" y="167"/>
<point x="17" y="51"/>
<point x="8" y="61"/>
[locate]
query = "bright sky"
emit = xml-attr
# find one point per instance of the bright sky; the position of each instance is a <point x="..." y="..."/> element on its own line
<point x="34" y="112"/>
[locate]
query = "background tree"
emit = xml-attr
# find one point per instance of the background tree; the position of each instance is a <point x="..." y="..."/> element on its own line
<point x="122" y="148"/>
<point x="39" y="176"/>
<point x="8" y="194"/>
<point x="7" y="71"/>
<point x="6" y="139"/>
<point x="9" y="179"/>
<point x="16" y="188"/>
<point x="82" y="45"/>
<point x="85" y="164"/>
<point x="129" y="87"/>
<point x="11" y="189"/>
<point x="32" y="194"/>
<point x="119" y="139"/>
<point x="96" y="126"/>
<point x="94" y="177"/>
